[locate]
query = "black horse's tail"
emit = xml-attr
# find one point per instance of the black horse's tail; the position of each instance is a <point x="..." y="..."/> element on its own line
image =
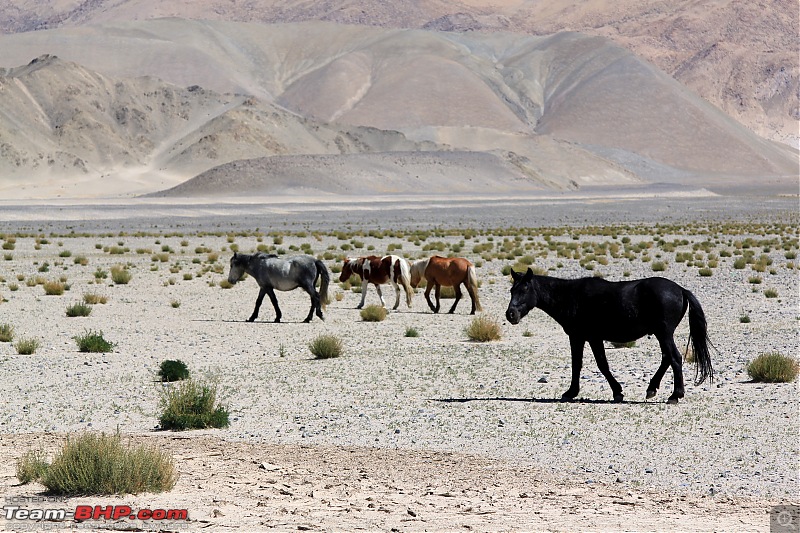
<point x="324" y="292"/>
<point x="698" y="336"/>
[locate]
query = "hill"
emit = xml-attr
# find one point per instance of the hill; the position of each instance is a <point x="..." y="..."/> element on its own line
<point x="151" y="104"/>
<point x="741" y="56"/>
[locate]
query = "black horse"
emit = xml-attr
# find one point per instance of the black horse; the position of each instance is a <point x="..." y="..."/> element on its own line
<point x="272" y="272"/>
<point x="594" y="310"/>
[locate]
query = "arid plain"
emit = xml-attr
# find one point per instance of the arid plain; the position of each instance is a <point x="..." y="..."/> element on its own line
<point x="426" y="433"/>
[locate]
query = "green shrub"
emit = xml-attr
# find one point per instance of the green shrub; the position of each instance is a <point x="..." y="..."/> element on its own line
<point x="6" y="332"/>
<point x="326" y="347"/>
<point x="483" y="329"/>
<point x="173" y="370"/>
<point x="79" y="309"/>
<point x="771" y="293"/>
<point x="773" y="368"/>
<point x="92" y="464"/>
<point x="705" y="272"/>
<point x="26" y="346"/>
<point x="32" y="467"/>
<point x="93" y="341"/>
<point x="192" y="405"/>
<point x="411" y="332"/>
<point x="373" y="313"/>
<point x="658" y="266"/>
<point x="629" y="344"/>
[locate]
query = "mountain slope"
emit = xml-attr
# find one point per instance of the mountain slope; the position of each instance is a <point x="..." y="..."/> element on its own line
<point x="740" y="55"/>
<point x="570" y="110"/>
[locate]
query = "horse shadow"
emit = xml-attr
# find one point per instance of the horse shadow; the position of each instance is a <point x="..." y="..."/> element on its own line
<point x="585" y="401"/>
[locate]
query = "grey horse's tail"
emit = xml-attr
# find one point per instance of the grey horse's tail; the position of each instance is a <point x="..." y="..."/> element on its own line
<point x="698" y="336"/>
<point x="324" y="292"/>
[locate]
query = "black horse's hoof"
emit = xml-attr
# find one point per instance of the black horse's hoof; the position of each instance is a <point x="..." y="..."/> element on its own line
<point x="251" y="319"/>
<point x="672" y="401"/>
<point x="277" y="320"/>
<point x="650" y="394"/>
<point x="618" y="398"/>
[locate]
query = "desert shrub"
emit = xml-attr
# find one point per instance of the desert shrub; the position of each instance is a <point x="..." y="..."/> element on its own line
<point x="755" y="280"/>
<point x="120" y="275"/>
<point x="94" y="298"/>
<point x="53" y="288"/>
<point x="739" y="263"/>
<point x="773" y="367"/>
<point x="225" y="284"/>
<point x="771" y="293"/>
<point x="483" y="329"/>
<point x="705" y="272"/>
<point x="658" y="266"/>
<point x="6" y="332"/>
<point x="629" y="344"/>
<point x="65" y="253"/>
<point x="326" y="347"/>
<point x="411" y="332"/>
<point x="101" y="464"/>
<point x="175" y="304"/>
<point x="744" y="318"/>
<point x="32" y="466"/>
<point x="26" y="346"/>
<point x="93" y="341"/>
<point x="192" y="405"/>
<point x="173" y="370"/>
<point x="79" y="309"/>
<point x="373" y="313"/>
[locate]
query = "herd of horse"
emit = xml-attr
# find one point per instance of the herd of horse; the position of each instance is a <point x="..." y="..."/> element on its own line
<point x="590" y="310"/>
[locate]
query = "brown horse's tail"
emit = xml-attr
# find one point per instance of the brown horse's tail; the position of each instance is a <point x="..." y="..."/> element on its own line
<point x="472" y="284"/>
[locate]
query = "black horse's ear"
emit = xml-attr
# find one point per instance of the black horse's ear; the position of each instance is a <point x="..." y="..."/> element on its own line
<point x="528" y="275"/>
<point x="515" y="275"/>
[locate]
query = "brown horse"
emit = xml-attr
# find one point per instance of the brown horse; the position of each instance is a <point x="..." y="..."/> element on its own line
<point x="379" y="270"/>
<point x="450" y="272"/>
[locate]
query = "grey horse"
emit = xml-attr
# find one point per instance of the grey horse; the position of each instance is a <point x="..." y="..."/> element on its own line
<point x="272" y="272"/>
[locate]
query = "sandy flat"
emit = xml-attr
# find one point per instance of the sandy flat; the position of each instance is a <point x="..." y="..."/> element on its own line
<point x="431" y="433"/>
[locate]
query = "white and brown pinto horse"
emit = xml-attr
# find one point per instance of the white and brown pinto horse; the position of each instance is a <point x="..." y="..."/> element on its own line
<point x="450" y="272"/>
<point x="378" y="271"/>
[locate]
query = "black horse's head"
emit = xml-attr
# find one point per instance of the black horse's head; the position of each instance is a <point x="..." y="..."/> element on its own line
<point x="523" y="296"/>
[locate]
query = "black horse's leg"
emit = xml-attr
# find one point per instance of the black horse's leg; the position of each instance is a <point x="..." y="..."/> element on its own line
<point x="274" y="300"/>
<point x="602" y="363"/>
<point x="668" y="347"/>
<point x="437" y="293"/>
<point x="655" y="383"/>
<point x="457" y="288"/>
<point x="428" y="289"/>
<point x="576" y="347"/>
<point x="260" y="299"/>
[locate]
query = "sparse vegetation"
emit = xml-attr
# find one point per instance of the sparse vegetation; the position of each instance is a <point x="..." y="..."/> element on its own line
<point x="53" y="288"/>
<point x="192" y="405"/>
<point x="120" y="275"/>
<point x="373" y="313"/>
<point x="27" y="346"/>
<point x="173" y="370"/>
<point x="93" y="341"/>
<point x="79" y="309"/>
<point x="94" y="298"/>
<point x="326" y="347"/>
<point x="411" y="332"/>
<point x="773" y="367"/>
<point x="6" y="332"/>
<point x="483" y="329"/>
<point x="100" y="464"/>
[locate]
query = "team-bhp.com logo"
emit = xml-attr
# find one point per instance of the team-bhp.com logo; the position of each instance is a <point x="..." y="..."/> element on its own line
<point x="92" y="512"/>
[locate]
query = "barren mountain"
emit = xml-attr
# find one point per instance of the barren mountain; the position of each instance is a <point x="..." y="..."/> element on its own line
<point x="740" y="55"/>
<point x="164" y="100"/>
